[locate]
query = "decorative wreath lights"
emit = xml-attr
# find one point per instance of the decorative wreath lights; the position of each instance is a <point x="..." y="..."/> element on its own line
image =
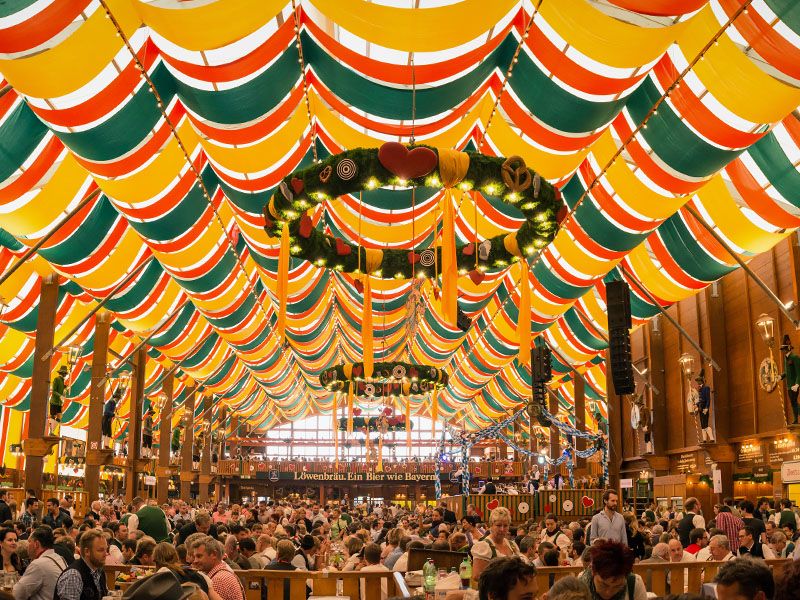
<point x="389" y="379"/>
<point x="393" y="164"/>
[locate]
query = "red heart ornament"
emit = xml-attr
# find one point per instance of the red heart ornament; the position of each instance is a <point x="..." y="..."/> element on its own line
<point x="413" y="257"/>
<point x="297" y="185"/>
<point x="305" y="227"/>
<point x="548" y="508"/>
<point x="356" y="411"/>
<point x="493" y="504"/>
<point x="359" y="286"/>
<point x="405" y="163"/>
<point x="587" y="502"/>
<point x="342" y="247"/>
<point x="358" y="370"/>
<point x="477" y="276"/>
<point x="468" y="250"/>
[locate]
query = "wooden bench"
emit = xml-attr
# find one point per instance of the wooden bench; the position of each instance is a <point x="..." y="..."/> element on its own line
<point x="688" y="576"/>
<point x="323" y="583"/>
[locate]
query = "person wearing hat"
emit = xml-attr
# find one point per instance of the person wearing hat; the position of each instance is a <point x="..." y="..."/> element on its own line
<point x="109" y="410"/>
<point x="147" y="432"/>
<point x="57" y="399"/>
<point x="704" y="408"/>
<point x="163" y="584"/>
<point x="791" y="373"/>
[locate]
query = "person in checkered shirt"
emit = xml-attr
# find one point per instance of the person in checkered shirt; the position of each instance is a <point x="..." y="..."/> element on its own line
<point x="208" y="555"/>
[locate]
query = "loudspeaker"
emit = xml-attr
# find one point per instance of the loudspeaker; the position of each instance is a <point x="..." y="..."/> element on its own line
<point x="541" y="367"/>
<point x="618" y="303"/>
<point x="619" y="345"/>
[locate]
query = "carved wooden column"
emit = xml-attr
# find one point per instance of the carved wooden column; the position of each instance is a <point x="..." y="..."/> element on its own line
<point x="205" y="477"/>
<point x="163" y="471"/>
<point x="223" y="416"/>
<point x="133" y="466"/>
<point x="96" y="455"/>
<point x="187" y="474"/>
<point x="37" y="446"/>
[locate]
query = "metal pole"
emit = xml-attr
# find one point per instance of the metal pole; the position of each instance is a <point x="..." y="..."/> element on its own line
<point x="677" y="325"/>
<point x="721" y="241"/>
<point x="32" y="250"/>
<point x="127" y="358"/>
<point x="100" y="305"/>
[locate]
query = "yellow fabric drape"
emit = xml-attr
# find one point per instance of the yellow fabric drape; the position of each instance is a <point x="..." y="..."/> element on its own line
<point x="524" y="317"/>
<point x="368" y="353"/>
<point x="283" y="282"/>
<point x="350" y="408"/>
<point x="408" y="424"/>
<point x="453" y="166"/>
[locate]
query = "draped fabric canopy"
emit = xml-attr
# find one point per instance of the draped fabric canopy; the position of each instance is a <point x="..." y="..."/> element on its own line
<point x="185" y="116"/>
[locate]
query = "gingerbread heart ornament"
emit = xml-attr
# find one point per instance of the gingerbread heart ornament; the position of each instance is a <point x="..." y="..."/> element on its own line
<point x="405" y="163"/>
<point x="587" y="502"/>
<point x="493" y="504"/>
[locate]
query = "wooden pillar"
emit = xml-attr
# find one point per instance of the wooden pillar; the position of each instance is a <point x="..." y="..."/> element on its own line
<point x="655" y="353"/>
<point x="187" y="474"/>
<point x="163" y="471"/>
<point x="204" y="479"/>
<point x="96" y="455"/>
<point x="234" y="446"/>
<point x="36" y="447"/>
<point x="580" y="416"/>
<point x="615" y="417"/>
<point x="135" y="424"/>
<point x="555" y="442"/>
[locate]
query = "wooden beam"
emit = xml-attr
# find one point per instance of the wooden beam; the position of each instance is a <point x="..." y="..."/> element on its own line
<point x="94" y="449"/>
<point x="580" y="416"/>
<point x="135" y="425"/>
<point x="187" y="474"/>
<point x="205" y="459"/>
<point x="40" y="382"/>
<point x="163" y="472"/>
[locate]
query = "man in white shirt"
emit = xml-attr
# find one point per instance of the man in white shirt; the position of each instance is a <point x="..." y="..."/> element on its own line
<point x="553" y="534"/>
<point x="720" y="548"/>
<point x="39" y="580"/>
<point x="678" y="554"/>
<point x="372" y="556"/>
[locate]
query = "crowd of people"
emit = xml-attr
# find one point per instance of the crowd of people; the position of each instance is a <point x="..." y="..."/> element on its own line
<point x="48" y="553"/>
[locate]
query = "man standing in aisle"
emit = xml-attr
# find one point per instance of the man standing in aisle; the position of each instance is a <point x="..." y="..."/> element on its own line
<point x="692" y="519"/>
<point x="608" y="524"/>
<point x="151" y="520"/>
<point x="791" y="372"/>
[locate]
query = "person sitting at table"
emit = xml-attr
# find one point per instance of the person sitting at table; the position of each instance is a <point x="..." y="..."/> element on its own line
<point x="166" y="558"/>
<point x="39" y="580"/>
<point x="744" y="579"/>
<point x="495" y="544"/>
<point x="9" y="559"/>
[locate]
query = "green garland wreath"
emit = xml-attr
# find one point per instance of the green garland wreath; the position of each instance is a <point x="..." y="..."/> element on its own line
<point x="388" y="379"/>
<point x="363" y="169"/>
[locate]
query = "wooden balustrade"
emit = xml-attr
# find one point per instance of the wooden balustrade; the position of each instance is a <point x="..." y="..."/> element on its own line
<point x="659" y="578"/>
<point x="367" y="586"/>
<point x="250" y="467"/>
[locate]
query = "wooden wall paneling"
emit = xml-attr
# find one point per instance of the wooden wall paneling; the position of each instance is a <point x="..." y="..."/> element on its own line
<point x="673" y="383"/>
<point x="715" y="318"/>
<point x="738" y="341"/>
